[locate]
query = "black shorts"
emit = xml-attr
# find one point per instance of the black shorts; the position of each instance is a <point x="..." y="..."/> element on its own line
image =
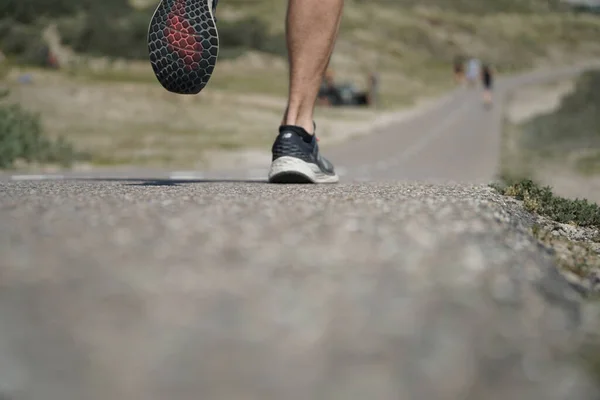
<point x="487" y="83"/>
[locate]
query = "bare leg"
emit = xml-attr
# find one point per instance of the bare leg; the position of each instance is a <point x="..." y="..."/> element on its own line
<point x="487" y="96"/>
<point x="311" y="28"/>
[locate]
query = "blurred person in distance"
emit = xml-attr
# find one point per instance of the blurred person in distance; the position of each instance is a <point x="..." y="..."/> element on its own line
<point x="487" y="80"/>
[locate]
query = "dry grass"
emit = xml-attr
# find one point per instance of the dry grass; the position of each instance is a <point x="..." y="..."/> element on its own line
<point x="134" y="123"/>
<point x="125" y="122"/>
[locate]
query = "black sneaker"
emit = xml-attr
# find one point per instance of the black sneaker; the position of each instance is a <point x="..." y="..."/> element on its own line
<point x="183" y="44"/>
<point x="296" y="159"/>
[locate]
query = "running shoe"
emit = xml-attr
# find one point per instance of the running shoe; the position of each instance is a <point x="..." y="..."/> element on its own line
<point x="183" y="44"/>
<point x="296" y="159"/>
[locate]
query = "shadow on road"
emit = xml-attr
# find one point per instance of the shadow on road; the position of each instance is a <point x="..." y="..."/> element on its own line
<point x="164" y="181"/>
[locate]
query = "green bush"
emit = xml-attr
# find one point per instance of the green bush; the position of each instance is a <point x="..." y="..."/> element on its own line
<point x="95" y="34"/>
<point x="29" y="11"/>
<point x="111" y="28"/>
<point x="21" y="138"/>
<point x="23" y="42"/>
<point x="542" y="201"/>
<point x="105" y="34"/>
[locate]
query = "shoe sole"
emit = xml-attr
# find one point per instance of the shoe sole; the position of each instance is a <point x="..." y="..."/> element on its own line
<point x="294" y="170"/>
<point x="183" y="44"/>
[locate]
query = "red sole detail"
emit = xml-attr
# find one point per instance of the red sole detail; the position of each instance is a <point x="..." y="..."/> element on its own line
<point x="181" y="37"/>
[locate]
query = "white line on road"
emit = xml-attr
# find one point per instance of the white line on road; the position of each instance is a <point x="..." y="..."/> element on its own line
<point x="35" y="177"/>
<point x="186" y="175"/>
<point x="258" y="173"/>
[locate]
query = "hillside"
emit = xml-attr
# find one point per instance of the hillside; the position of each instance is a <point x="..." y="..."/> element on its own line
<point x="411" y="42"/>
<point x="106" y="98"/>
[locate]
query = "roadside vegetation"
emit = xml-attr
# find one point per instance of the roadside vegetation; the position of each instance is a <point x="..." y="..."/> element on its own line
<point x="570" y="229"/>
<point x="22" y="139"/>
<point x="558" y="139"/>
<point x="542" y="201"/>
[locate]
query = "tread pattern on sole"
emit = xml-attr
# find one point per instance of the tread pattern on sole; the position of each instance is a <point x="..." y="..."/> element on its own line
<point x="290" y="178"/>
<point x="183" y="45"/>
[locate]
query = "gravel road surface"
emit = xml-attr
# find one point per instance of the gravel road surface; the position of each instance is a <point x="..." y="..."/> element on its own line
<point x="409" y="280"/>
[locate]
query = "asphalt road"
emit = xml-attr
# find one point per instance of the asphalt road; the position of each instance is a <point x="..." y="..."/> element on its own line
<point x="136" y="285"/>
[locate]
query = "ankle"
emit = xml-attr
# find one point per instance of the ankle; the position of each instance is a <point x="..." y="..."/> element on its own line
<point x="309" y="129"/>
<point x="304" y="122"/>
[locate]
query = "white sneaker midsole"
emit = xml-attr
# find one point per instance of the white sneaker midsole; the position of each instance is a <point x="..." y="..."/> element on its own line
<point x="294" y="165"/>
